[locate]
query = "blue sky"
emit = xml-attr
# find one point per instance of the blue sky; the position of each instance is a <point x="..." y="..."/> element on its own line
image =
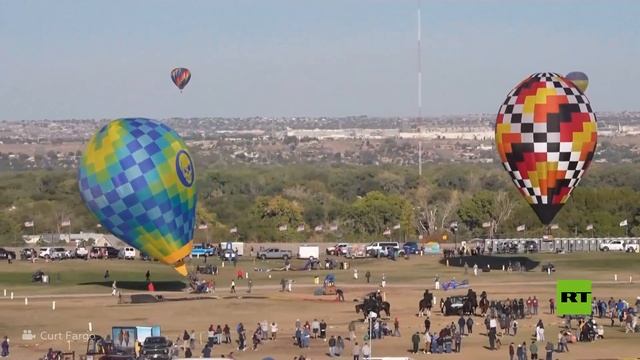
<point x="106" y="59"/>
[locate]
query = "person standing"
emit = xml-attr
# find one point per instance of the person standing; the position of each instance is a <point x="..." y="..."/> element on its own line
<point x="366" y="351"/>
<point x="206" y="351"/>
<point x="4" y="351"/>
<point x="352" y="331"/>
<point x="192" y="339"/>
<point x="461" y="323"/>
<point x="339" y="345"/>
<point x="540" y="331"/>
<point x="356" y="351"/>
<point x="475" y="269"/>
<point x="535" y="305"/>
<point x="250" y="285"/>
<point x="469" y="325"/>
<point x="274" y="330"/>
<point x="315" y="328"/>
<point x="383" y="283"/>
<point x="427" y="342"/>
<point x="549" y="351"/>
<point x="233" y="286"/>
<point x="148" y="275"/>
<point x="415" y="341"/>
<point x="458" y="341"/>
<point x="367" y="276"/>
<point x="552" y="306"/>
<point x="323" y="329"/>
<point x="396" y="327"/>
<point x="332" y="346"/>
<point x="533" y="349"/>
<point x="355" y="274"/>
<point x="114" y="288"/>
<point x="427" y="325"/>
<point x="227" y="334"/>
<point x="106" y="275"/>
<point x="519" y="353"/>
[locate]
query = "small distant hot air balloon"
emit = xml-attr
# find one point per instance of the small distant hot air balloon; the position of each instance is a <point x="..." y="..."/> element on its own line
<point x="180" y="77"/>
<point x="138" y="179"/>
<point x="546" y="136"/>
<point x="580" y="79"/>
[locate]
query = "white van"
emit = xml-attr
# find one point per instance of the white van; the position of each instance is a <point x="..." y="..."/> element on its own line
<point x="127" y="253"/>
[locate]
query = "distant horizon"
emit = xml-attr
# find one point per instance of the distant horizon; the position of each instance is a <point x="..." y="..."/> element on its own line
<point x="424" y="117"/>
<point x="282" y="58"/>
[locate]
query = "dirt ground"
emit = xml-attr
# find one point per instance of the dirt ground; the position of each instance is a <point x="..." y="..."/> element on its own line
<point x="65" y="327"/>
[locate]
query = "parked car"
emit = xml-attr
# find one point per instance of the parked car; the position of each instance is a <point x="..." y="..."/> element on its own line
<point x="338" y="249"/>
<point x="531" y="246"/>
<point x="127" y="253"/>
<point x="59" y="253"/>
<point x="27" y="254"/>
<point x="411" y="248"/>
<point x="202" y="250"/>
<point x="618" y="245"/>
<point x="274" y="253"/>
<point x="81" y="252"/>
<point x="6" y="254"/>
<point x="156" y="347"/>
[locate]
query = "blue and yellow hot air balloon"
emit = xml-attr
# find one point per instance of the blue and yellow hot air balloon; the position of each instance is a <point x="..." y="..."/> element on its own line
<point x="138" y="178"/>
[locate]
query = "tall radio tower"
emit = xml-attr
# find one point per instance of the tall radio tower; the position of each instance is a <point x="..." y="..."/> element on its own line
<point x="419" y="85"/>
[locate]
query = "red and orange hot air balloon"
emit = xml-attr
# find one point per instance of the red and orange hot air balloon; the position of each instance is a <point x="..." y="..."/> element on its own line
<point x="180" y="77"/>
<point x="546" y="136"/>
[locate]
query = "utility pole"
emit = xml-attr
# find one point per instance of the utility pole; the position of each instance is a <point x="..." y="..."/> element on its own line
<point x="420" y="158"/>
<point x="419" y="84"/>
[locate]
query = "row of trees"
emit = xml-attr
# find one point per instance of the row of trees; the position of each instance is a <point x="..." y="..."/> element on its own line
<point x="362" y="201"/>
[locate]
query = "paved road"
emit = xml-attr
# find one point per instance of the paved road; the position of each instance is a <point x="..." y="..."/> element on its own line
<point x="107" y="293"/>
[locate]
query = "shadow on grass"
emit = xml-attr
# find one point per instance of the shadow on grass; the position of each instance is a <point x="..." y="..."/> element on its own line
<point x="494" y="262"/>
<point x="141" y="285"/>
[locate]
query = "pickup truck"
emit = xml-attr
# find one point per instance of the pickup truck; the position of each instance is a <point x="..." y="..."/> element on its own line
<point x="156" y="347"/>
<point x="202" y="250"/>
<point x="619" y="245"/>
<point x="274" y="253"/>
<point x="337" y="249"/>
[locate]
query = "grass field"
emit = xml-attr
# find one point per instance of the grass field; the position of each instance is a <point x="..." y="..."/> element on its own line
<point x="82" y="295"/>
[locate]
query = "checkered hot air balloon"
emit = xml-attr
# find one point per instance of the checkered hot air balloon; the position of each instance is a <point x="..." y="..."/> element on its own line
<point x="138" y="179"/>
<point x="546" y="136"/>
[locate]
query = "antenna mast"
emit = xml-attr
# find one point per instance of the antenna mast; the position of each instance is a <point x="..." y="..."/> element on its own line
<point x="419" y="85"/>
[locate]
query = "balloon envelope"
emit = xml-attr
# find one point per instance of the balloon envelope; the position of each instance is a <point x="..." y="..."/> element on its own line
<point x="580" y="79"/>
<point x="546" y="136"/>
<point x="180" y="77"/>
<point x="138" y="179"/>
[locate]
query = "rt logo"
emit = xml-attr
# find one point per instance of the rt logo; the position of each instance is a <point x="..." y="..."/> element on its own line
<point x="573" y="297"/>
